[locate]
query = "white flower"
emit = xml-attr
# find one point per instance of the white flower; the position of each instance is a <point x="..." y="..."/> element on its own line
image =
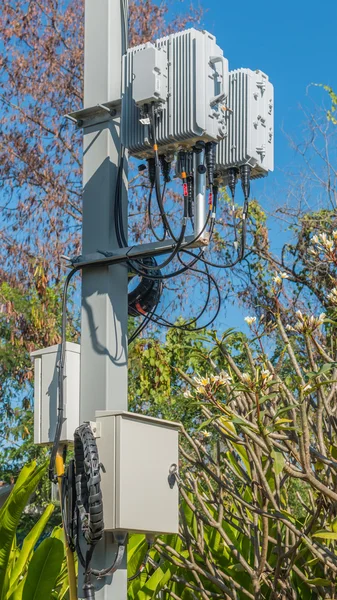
<point x="307" y="388"/>
<point x="250" y="320"/>
<point x="284" y="275"/>
<point x="187" y="394"/>
<point x="333" y="296"/>
<point x="207" y="434"/>
<point x="266" y="376"/>
<point x="277" y="279"/>
<point x="322" y="317"/>
<point x="326" y="242"/>
<point x="202" y="381"/>
<point x="334" y="234"/>
<point x="315" y="239"/>
<point x="221" y="379"/>
<point x="246" y="377"/>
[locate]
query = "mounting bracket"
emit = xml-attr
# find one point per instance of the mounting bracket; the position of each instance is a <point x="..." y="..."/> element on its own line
<point x="95" y="115"/>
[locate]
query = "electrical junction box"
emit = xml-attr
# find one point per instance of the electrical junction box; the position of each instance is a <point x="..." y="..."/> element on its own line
<point x="250" y="125"/>
<point x="150" y="75"/>
<point x="197" y="87"/>
<point x="138" y="454"/>
<point x="46" y="393"/>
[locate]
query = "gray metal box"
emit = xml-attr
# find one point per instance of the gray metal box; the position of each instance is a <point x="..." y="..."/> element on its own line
<point x="197" y="76"/>
<point x="46" y="393"/>
<point x="250" y="124"/>
<point x="150" y="75"/>
<point x="137" y="453"/>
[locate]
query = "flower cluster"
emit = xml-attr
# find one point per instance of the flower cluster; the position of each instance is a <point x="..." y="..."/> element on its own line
<point x="307" y="323"/>
<point x="212" y="382"/>
<point x="263" y="381"/>
<point x="278" y="279"/>
<point x="333" y="296"/>
<point x="324" y="243"/>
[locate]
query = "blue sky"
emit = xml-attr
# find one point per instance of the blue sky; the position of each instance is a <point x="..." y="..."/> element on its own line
<point x="294" y="43"/>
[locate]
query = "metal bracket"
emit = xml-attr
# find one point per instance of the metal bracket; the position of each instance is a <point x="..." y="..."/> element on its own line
<point x="122" y="255"/>
<point x="95" y="115"/>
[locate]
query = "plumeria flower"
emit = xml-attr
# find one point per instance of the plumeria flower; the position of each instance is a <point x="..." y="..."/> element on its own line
<point x="277" y="279"/>
<point x="246" y="377"/>
<point x="187" y="394"/>
<point x="325" y="243"/>
<point x="267" y="378"/>
<point x="266" y="375"/>
<point x="307" y="388"/>
<point x="202" y="381"/>
<point x="333" y="296"/>
<point x="221" y="379"/>
<point x="250" y="320"/>
<point x="307" y="323"/>
<point x="206" y="434"/>
<point x="200" y="389"/>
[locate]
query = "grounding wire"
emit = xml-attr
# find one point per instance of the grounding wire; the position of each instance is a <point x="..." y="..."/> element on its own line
<point x="60" y="367"/>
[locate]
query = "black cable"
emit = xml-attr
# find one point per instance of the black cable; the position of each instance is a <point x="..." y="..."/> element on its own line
<point x="142" y="326"/>
<point x="178" y="244"/>
<point x="143" y="565"/>
<point x="149" y="212"/>
<point x="60" y="367"/>
<point x="241" y="254"/>
<point x="180" y="271"/>
<point x="165" y="323"/>
<point x="166" y="224"/>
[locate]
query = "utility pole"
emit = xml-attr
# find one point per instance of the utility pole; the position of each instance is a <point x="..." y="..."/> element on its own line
<point x="104" y="370"/>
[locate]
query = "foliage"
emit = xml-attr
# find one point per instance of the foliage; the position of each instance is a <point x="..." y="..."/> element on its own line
<point x="25" y="574"/>
<point x="29" y="319"/>
<point x="40" y="150"/>
<point x="258" y="472"/>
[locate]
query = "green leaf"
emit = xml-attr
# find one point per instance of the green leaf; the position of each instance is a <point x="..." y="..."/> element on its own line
<point x="327" y="535"/>
<point x="279" y="462"/>
<point x="12" y="510"/>
<point x="320" y="581"/>
<point x="137" y="548"/>
<point x="285" y="410"/>
<point x="28" y="546"/>
<point x="43" y="570"/>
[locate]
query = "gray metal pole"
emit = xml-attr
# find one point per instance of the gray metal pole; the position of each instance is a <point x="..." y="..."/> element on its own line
<point x="104" y="371"/>
<point x="200" y="202"/>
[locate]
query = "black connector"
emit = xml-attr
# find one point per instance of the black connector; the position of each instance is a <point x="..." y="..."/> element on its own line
<point x="215" y="197"/>
<point x="210" y="161"/>
<point x="232" y="181"/>
<point x="190" y="188"/>
<point x="182" y="164"/>
<point x="165" y="168"/>
<point x="245" y="172"/>
<point x="151" y="168"/>
<point x="89" y="591"/>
